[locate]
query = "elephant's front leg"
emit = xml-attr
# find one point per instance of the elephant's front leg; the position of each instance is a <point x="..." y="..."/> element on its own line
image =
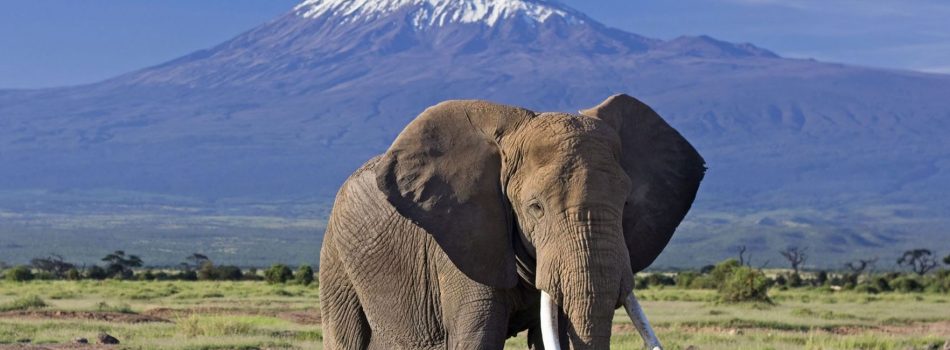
<point x="475" y="315"/>
<point x="344" y="324"/>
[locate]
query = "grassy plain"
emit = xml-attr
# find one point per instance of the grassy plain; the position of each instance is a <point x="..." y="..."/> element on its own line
<point x="254" y="315"/>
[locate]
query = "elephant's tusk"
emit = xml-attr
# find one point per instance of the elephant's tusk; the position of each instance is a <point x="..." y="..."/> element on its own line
<point x="549" y="326"/>
<point x="640" y="321"/>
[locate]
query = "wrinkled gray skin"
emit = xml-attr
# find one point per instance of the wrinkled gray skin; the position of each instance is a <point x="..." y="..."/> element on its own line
<point x="445" y="240"/>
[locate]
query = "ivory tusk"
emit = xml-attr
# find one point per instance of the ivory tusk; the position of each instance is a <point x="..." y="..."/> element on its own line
<point x="640" y="321"/>
<point x="549" y="326"/>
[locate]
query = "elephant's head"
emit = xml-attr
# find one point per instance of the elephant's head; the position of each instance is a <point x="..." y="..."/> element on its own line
<point x="591" y="198"/>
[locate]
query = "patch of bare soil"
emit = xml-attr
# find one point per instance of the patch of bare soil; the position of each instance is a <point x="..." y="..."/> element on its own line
<point x="83" y="315"/>
<point x="304" y="317"/>
<point x="58" y="347"/>
<point x="919" y="328"/>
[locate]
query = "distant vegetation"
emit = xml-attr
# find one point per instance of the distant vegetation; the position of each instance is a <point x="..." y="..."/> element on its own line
<point x="735" y="280"/>
<point x="121" y="266"/>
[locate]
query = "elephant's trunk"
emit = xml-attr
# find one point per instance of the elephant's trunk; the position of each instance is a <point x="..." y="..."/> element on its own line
<point x="587" y="274"/>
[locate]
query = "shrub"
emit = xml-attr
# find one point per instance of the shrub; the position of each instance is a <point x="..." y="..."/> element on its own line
<point x="866" y="288"/>
<point x="278" y="274"/>
<point x="795" y="280"/>
<point x="228" y="273"/>
<point x="43" y="276"/>
<point x="206" y="272"/>
<point x="703" y="282"/>
<point x="19" y="274"/>
<point x="880" y="283"/>
<point x="821" y="278"/>
<point x="189" y="275"/>
<point x="148" y="275"/>
<point x="685" y="279"/>
<point x="938" y="282"/>
<point x="96" y="273"/>
<point x="304" y="275"/>
<point x="781" y="281"/>
<point x="659" y="279"/>
<point x="73" y="274"/>
<point x="744" y="284"/>
<point x="906" y="284"/>
<point x="723" y="270"/>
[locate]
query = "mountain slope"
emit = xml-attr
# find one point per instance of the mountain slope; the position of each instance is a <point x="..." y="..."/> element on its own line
<point x="799" y="151"/>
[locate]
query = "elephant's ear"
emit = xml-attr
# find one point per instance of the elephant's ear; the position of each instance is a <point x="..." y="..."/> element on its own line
<point x="443" y="172"/>
<point x="665" y="171"/>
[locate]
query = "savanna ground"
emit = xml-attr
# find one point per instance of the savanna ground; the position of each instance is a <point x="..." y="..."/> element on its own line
<point x="255" y="315"/>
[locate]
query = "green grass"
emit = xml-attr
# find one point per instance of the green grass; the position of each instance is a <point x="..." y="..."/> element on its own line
<point x="24" y="303"/>
<point x="252" y="315"/>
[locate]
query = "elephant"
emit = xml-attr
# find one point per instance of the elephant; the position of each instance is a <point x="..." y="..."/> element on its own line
<point x="483" y="221"/>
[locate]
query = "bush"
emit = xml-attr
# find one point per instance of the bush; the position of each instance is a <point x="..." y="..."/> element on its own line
<point x="73" y="274"/>
<point x="228" y="273"/>
<point x="821" y="278"/>
<point x="686" y="278"/>
<point x="659" y="279"/>
<point x="866" y="288"/>
<point x="148" y="275"/>
<point x="96" y="273"/>
<point x="723" y="270"/>
<point x="795" y="280"/>
<point x="189" y="275"/>
<point x="781" y="281"/>
<point x="906" y="284"/>
<point x="19" y="274"/>
<point x="938" y="282"/>
<point x="703" y="282"/>
<point x="880" y="283"/>
<point x="304" y="275"/>
<point x="278" y="274"/>
<point x="744" y="284"/>
<point x="207" y="271"/>
<point x="251" y="275"/>
<point x="43" y="276"/>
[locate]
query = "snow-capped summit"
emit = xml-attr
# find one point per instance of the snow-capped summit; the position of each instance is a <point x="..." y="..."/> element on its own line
<point x="438" y="13"/>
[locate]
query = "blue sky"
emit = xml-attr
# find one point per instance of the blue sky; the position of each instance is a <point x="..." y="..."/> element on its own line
<point x="64" y="42"/>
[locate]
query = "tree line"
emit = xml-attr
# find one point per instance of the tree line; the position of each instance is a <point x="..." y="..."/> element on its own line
<point x="121" y="266"/>
<point x="736" y="279"/>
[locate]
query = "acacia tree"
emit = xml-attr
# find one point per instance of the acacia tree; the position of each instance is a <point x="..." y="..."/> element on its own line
<point x="920" y="261"/>
<point x="795" y="256"/>
<point x="197" y="259"/>
<point x="120" y="265"/>
<point x="858" y="267"/>
<point x="53" y="264"/>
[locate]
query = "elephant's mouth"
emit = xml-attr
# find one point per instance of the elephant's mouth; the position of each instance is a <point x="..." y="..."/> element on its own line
<point x="551" y="333"/>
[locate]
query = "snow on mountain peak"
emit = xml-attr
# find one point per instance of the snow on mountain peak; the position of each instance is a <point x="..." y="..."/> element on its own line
<point x="432" y="13"/>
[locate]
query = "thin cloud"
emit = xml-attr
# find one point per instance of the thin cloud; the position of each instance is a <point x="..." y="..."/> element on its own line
<point x="858" y="7"/>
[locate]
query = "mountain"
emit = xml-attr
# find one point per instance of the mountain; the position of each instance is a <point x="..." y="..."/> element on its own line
<point x="254" y="135"/>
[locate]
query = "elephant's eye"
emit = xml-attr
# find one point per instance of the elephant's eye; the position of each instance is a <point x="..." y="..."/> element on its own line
<point x="535" y="209"/>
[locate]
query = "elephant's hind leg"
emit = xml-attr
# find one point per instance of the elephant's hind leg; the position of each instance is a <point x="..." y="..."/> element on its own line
<point x="344" y="323"/>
